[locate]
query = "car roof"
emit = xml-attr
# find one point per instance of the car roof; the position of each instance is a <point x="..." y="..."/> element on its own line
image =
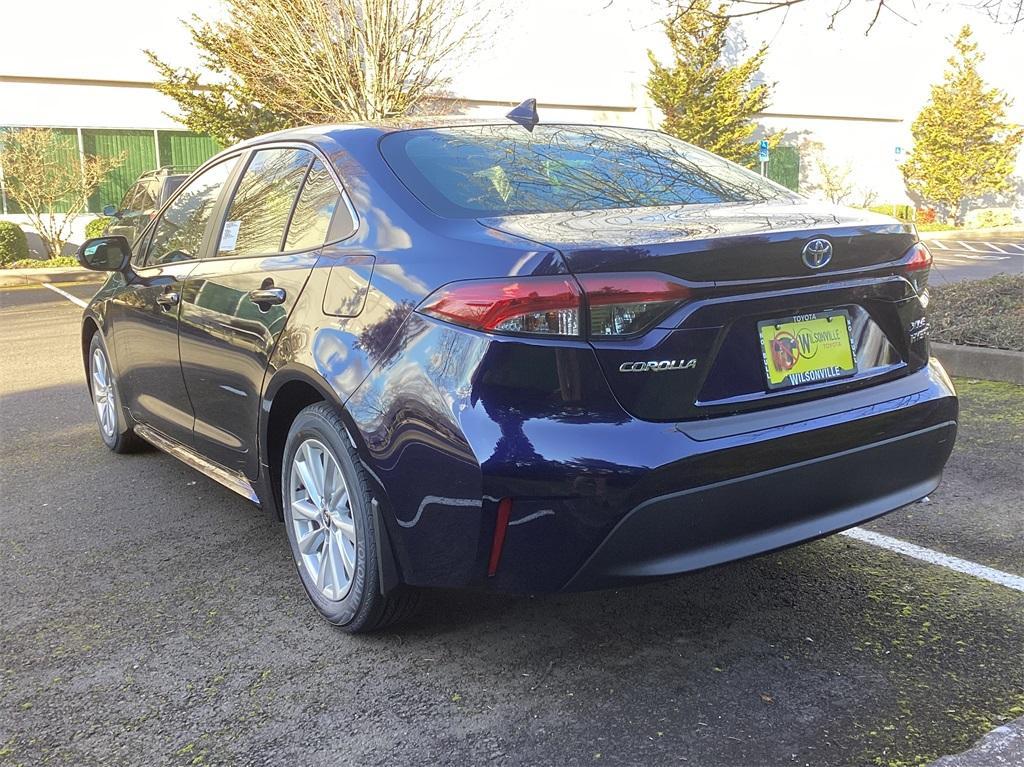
<point x="381" y="127"/>
<point x="342" y="134"/>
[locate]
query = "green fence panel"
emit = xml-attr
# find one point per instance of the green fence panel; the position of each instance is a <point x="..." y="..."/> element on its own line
<point x="784" y="167"/>
<point x="138" y="152"/>
<point x="66" y="151"/>
<point x="186" y="151"/>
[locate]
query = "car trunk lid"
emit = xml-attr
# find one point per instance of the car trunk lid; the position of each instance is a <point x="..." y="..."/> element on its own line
<point x="745" y="263"/>
<point x="713" y="243"/>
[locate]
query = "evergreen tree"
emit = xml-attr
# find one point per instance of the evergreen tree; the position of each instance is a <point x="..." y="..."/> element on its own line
<point x="704" y="101"/>
<point x="963" y="145"/>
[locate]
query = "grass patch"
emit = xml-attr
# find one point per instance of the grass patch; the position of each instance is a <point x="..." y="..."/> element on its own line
<point x="979" y="312"/>
<point x="935" y="226"/>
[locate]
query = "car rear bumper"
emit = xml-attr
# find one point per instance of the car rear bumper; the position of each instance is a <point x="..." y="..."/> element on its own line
<point x="735" y="488"/>
<point x="754" y="513"/>
<point x="600" y="498"/>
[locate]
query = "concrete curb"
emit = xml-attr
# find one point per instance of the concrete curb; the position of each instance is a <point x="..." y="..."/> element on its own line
<point x="981" y="362"/>
<point x="10" y="278"/>
<point x="1002" y="747"/>
<point x="997" y="233"/>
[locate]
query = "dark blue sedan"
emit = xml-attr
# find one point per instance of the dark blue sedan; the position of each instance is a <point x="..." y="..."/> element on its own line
<point x="518" y="358"/>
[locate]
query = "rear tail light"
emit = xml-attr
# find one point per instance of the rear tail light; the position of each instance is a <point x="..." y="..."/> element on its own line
<point x="917" y="262"/>
<point x="528" y="305"/>
<point x="595" y="306"/>
<point x="917" y="257"/>
<point x="627" y="305"/>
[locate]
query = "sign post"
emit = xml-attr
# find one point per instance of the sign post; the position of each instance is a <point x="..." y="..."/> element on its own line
<point x="762" y="155"/>
<point x="897" y="155"/>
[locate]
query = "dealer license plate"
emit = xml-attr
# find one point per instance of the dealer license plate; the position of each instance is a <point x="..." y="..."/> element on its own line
<point x="807" y="349"/>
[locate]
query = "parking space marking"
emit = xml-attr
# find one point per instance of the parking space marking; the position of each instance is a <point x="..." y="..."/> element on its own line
<point x="1009" y="580"/>
<point x="981" y="250"/>
<point x="73" y="299"/>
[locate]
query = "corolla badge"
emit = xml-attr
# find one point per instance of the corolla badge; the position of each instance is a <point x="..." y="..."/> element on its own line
<point x="659" y="366"/>
<point x="817" y="253"/>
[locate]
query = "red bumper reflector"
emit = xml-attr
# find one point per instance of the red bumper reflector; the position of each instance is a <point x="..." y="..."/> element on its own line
<point x="500" y="526"/>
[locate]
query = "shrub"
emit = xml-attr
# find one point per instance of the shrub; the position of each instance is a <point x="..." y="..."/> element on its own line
<point x="902" y="212"/>
<point x="35" y="263"/>
<point x="95" y="227"/>
<point x="979" y="312"/>
<point x="13" y="245"/>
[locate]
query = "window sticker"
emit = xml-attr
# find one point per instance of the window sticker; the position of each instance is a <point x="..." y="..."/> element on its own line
<point x="229" y="236"/>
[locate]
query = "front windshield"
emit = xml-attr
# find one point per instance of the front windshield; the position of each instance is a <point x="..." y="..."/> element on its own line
<point x="498" y="170"/>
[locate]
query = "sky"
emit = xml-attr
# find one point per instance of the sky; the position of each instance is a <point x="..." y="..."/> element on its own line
<point x="577" y="51"/>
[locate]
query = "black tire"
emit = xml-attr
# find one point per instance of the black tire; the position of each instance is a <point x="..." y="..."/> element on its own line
<point x="121" y="437"/>
<point x="363" y="608"/>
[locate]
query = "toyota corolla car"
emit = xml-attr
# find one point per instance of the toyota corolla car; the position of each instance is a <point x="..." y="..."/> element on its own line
<point x="518" y="358"/>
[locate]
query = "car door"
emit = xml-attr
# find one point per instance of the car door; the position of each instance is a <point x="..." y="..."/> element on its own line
<point x="145" y="310"/>
<point x="236" y="303"/>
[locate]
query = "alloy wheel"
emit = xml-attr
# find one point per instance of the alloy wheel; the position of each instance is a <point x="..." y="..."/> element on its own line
<point x="321" y="516"/>
<point x="103" y="393"/>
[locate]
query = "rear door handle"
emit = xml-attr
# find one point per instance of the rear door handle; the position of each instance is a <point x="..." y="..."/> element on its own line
<point x="267" y="296"/>
<point x="169" y="299"/>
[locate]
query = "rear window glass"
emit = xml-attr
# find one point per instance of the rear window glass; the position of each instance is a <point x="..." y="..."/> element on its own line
<point x="497" y="170"/>
<point x="256" y="221"/>
<point x="314" y="210"/>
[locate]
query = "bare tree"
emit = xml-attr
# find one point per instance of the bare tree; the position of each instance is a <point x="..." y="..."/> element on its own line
<point x="49" y="183"/>
<point x="317" y="61"/>
<point x="1009" y="12"/>
<point x="832" y="182"/>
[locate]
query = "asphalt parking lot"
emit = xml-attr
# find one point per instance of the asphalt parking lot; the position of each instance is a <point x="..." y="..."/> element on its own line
<point x="975" y="259"/>
<point x="149" y="616"/>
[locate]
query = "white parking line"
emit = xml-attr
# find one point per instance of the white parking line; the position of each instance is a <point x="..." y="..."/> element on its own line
<point x="968" y="247"/>
<point x="1009" y="580"/>
<point x="73" y="299"/>
<point x="938" y="243"/>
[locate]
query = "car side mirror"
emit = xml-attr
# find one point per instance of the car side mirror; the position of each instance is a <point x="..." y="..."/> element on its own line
<point x="105" y="254"/>
<point x="110" y="211"/>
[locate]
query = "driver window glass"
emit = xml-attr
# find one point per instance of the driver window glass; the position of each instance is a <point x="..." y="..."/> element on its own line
<point x="178" y="235"/>
<point x="139" y="248"/>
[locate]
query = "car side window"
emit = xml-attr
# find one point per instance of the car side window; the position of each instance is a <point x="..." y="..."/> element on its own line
<point x="128" y="201"/>
<point x="258" y="215"/>
<point x="178" y="234"/>
<point x="318" y="202"/>
<point x="144" y="200"/>
<point x="139" y="248"/>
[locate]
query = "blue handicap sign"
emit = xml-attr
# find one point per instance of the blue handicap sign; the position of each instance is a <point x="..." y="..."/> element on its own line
<point x="762" y="151"/>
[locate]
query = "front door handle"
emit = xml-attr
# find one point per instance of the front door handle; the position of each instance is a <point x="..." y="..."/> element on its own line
<point x="169" y="299"/>
<point x="267" y="296"/>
